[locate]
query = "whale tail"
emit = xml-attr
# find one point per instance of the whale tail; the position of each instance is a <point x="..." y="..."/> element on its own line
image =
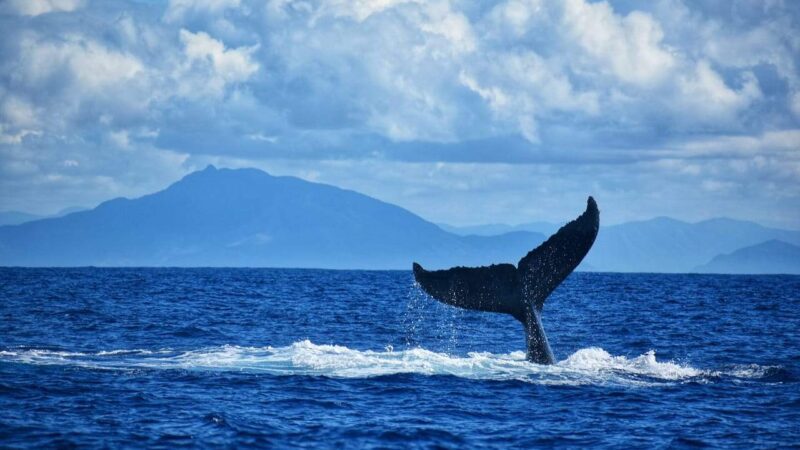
<point x="522" y="290"/>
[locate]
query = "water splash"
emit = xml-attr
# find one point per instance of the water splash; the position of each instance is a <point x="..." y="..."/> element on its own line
<point x="597" y="360"/>
<point x="586" y="366"/>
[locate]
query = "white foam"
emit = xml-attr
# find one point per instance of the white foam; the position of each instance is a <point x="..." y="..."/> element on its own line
<point x="751" y="371"/>
<point x="597" y="360"/>
<point x="586" y="366"/>
<point x="135" y="351"/>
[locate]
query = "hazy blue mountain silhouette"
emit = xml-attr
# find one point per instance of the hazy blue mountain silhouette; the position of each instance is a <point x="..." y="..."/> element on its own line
<point x="661" y="244"/>
<point x="773" y="256"/>
<point x="668" y="245"/>
<point x="247" y="217"/>
<point x="16" y="217"/>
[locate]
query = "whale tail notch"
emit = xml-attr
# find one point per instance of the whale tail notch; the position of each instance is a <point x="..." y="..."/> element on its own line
<point x="520" y="291"/>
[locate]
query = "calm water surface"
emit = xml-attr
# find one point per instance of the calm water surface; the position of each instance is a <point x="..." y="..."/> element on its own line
<point x="230" y="357"/>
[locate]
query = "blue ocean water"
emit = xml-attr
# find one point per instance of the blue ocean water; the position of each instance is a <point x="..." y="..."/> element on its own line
<point x="306" y="358"/>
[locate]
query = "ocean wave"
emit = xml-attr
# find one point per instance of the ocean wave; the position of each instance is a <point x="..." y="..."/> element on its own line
<point x="586" y="366"/>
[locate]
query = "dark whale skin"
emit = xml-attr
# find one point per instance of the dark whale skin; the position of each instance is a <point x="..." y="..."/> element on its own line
<point x="522" y="290"/>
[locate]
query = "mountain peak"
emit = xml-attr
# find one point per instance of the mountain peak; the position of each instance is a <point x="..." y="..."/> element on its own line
<point x="211" y="175"/>
<point x="246" y="217"/>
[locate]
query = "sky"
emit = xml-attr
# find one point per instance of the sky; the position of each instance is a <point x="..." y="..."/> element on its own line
<point x="464" y="112"/>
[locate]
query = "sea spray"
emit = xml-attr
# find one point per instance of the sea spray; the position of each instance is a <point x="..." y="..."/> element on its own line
<point x="586" y="366"/>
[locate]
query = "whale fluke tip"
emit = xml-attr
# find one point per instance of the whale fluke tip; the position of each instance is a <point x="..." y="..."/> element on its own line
<point x="591" y="204"/>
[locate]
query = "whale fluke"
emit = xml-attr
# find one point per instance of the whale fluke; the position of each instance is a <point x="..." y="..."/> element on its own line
<point x="522" y="290"/>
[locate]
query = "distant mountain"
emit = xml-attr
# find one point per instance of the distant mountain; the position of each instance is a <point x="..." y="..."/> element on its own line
<point x="494" y="229"/>
<point x="773" y="256"/>
<point x="657" y="245"/>
<point x="247" y="217"/>
<point x="16" y="217"/>
<point x="668" y="245"/>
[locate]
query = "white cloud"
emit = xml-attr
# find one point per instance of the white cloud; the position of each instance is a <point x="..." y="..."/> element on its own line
<point x="516" y="16"/>
<point x="400" y="79"/>
<point x="521" y="86"/>
<point x="56" y="82"/>
<point x="709" y="99"/>
<point x="17" y="112"/>
<point x="359" y="10"/>
<point x="216" y="65"/>
<point x="38" y="7"/>
<point x="178" y="9"/>
<point x="493" y="95"/>
<point x="15" y="136"/>
<point x="628" y="47"/>
<point x="672" y="90"/>
<point x="120" y="138"/>
<point x="454" y="26"/>
<point x="764" y="44"/>
<point x="92" y="66"/>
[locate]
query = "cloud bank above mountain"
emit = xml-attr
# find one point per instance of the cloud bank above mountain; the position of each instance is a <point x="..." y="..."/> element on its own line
<point x="518" y="107"/>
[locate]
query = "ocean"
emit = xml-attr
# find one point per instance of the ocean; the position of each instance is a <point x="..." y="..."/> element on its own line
<point x="167" y="358"/>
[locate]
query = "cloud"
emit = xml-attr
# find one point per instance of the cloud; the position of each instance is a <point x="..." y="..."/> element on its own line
<point x="699" y="95"/>
<point x="784" y="144"/>
<point x="705" y="94"/>
<point x="178" y="10"/>
<point x="519" y="88"/>
<point x="217" y="65"/>
<point x="794" y="103"/>
<point x="629" y="48"/>
<point x="90" y="65"/>
<point x="38" y="7"/>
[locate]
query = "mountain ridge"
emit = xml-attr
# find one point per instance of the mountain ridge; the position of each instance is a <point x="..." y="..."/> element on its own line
<point x="246" y="217"/>
<point x="773" y="256"/>
<point x="669" y="245"/>
<point x="665" y="244"/>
